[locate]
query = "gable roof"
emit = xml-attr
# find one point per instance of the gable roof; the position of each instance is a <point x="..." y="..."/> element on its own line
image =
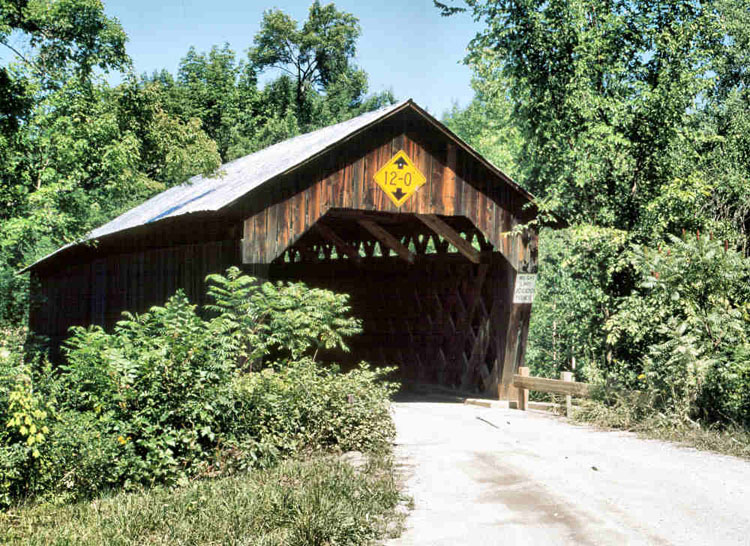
<point x="236" y="178"/>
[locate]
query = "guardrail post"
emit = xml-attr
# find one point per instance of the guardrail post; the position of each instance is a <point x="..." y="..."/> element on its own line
<point x="567" y="376"/>
<point x="523" y="394"/>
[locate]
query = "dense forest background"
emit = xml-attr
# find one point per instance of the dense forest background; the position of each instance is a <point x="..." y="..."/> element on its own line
<point x="629" y="120"/>
<point x="76" y="151"/>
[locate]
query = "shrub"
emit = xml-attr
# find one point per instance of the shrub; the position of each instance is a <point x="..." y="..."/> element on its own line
<point x="24" y="419"/>
<point x="286" y="320"/>
<point x="582" y="270"/>
<point x="690" y="315"/>
<point x="165" y="397"/>
<point x="306" y="406"/>
<point x="161" y="380"/>
<point x="725" y="396"/>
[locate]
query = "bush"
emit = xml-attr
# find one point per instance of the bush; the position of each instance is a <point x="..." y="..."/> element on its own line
<point x="24" y="419"/>
<point x="166" y="397"/>
<point x="690" y="316"/>
<point x="161" y="380"/>
<point x="285" y="320"/>
<point x="306" y="406"/>
<point x="582" y="272"/>
<point x="725" y="397"/>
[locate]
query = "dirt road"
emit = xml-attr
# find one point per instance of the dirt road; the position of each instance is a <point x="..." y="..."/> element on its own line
<point x="483" y="476"/>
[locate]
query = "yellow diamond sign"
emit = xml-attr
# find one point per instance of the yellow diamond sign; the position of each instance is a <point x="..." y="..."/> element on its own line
<point x="399" y="178"/>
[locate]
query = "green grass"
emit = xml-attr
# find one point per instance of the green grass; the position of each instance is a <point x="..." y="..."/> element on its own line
<point x="728" y="440"/>
<point x="319" y="502"/>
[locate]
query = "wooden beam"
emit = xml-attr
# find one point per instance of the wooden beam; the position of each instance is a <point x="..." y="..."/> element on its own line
<point x="387" y="239"/>
<point x="375" y="216"/>
<point x="450" y="235"/>
<point x="511" y="357"/>
<point x="342" y="246"/>
<point x="542" y="384"/>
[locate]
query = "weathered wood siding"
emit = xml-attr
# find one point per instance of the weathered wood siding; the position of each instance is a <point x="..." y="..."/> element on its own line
<point x="457" y="185"/>
<point x="99" y="290"/>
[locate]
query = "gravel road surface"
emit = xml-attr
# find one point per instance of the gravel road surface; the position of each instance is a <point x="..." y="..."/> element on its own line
<point x="482" y="476"/>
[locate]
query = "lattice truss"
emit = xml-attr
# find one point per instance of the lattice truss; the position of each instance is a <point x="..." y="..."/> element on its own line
<point x="440" y="329"/>
<point x="363" y="236"/>
<point x="434" y="309"/>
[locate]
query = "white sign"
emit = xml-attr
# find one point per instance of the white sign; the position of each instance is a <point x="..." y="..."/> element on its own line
<point x="525" y="285"/>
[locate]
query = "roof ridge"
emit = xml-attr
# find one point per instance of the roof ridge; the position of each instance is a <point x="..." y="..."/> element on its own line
<point x="200" y="193"/>
<point x="294" y="138"/>
<point x="235" y="179"/>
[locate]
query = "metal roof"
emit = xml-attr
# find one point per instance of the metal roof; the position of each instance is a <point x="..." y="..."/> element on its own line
<point x="236" y="178"/>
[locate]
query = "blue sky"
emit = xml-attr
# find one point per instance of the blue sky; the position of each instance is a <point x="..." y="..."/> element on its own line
<point x="405" y="45"/>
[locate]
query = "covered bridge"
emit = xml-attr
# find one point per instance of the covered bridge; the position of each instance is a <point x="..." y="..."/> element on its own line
<point x="390" y="207"/>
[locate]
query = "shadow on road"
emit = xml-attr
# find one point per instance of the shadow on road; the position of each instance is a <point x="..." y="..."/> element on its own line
<point x="411" y="397"/>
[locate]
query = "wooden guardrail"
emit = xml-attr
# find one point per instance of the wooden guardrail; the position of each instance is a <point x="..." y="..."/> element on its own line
<point x="565" y="385"/>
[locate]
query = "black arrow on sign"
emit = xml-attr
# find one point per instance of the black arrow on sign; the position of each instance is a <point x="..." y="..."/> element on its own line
<point x="400" y="163"/>
<point x="398" y="194"/>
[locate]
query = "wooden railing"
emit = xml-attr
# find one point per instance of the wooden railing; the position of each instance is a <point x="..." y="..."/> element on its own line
<point x="565" y="385"/>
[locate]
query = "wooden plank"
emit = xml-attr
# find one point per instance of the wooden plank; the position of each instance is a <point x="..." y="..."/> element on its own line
<point x="357" y="170"/>
<point x="368" y="185"/>
<point x="510" y="354"/>
<point x="448" y="198"/>
<point x="387" y="239"/>
<point x="436" y="183"/>
<point x="341" y="246"/>
<point x="301" y="211"/>
<point x="345" y="200"/>
<point x="448" y="233"/>
<point x="286" y="224"/>
<point x="556" y="386"/>
<point x="311" y="213"/>
<point x="423" y="161"/>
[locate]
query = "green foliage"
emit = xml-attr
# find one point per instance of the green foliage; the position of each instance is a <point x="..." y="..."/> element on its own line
<point x="284" y="320"/>
<point x="632" y="120"/>
<point x="305" y="406"/>
<point x="24" y="417"/>
<point x="57" y="190"/>
<point x="690" y="319"/>
<point x="581" y="271"/>
<point x="725" y="396"/>
<point x="604" y="111"/>
<point x="160" y="377"/>
<point x="214" y="88"/>
<point x="72" y="35"/>
<point x="54" y="41"/>
<point x="323" y="501"/>
<point x="487" y="123"/>
<point x="166" y="397"/>
<point x="315" y="55"/>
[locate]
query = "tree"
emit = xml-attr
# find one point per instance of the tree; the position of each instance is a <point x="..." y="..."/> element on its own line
<point x="603" y="92"/>
<point x="53" y="44"/>
<point x="217" y="90"/>
<point x="487" y="123"/>
<point x="54" y="40"/>
<point x="314" y="56"/>
<point x="57" y="190"/>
